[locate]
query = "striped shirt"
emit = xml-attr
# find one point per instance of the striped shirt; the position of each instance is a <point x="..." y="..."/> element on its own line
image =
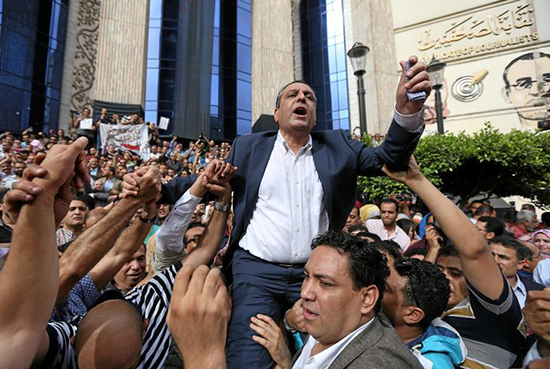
<point x="154" y="299"/>
<point x="60" y="352"/>
<point x="493" y="330"/>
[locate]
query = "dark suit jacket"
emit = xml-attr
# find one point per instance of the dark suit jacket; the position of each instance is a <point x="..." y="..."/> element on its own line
<point x="376" y="347"/>
<point x="338" y="161"/>
<point x="531" y="285"/>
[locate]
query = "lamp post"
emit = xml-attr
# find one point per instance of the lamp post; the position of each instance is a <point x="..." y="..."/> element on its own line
<point x="436" y="69"/>
<point x="358" y="57"/>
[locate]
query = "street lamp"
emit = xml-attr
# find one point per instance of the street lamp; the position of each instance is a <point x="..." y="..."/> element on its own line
<point x="358" y="57"/>
<point x="436" y="69"/>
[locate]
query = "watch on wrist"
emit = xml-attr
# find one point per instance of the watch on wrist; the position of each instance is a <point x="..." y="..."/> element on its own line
<point x="221" y="208"/>
<point x="148" y="221"/>
<point x="287" y="326"/>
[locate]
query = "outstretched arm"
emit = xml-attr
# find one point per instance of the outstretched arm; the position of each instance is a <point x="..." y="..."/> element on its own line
<point x="406" y="128"/>
<point x="28" y="283"/>
<point x="478" y="264"/>
<point x="90" y="247"/>
<point x="212" y="237"/>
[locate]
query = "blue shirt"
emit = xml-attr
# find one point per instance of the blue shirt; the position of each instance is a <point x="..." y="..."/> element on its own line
<point x="541" y="274"/>
<point x="83" y="295"/>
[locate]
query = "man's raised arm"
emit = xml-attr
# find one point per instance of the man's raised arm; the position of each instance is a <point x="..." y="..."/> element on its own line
<point x="132" y="238"/>
<point x="91" y="246"/>
<point x="478" y="264"/>
<point x="29" y="280"/>
<point x="406" y="128"/>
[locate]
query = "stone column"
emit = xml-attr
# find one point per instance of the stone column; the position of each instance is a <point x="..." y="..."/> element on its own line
<point x="370" y="22"/>
<point x="272" y="53"/>
<point x="122" y="52"/>
<point x="79" y="64"/>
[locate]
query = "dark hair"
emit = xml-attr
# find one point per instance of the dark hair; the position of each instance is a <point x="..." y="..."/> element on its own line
<point x="416" y="251"/>
<point x="494" y="225"/>
<point x="391" y="247"/>
<point x="364" y="234"/>
<point x="528" y="56"/>
<point x="484" y="209"/>
<point x="406" y="225"/>
<point x="367" y="266"/>
<point x="280" y="94"/>
<point x="358" y="227"/>
<point x="390" y="201"/>
<point x="522" y="252"/>
<point x="88" y="200"/>
<point x="427" y="287"/>
<point x="545" y="217"/>
<point x="448" y="250"/>
<point x="476" y="202"/>
<point x="190" y="226"/>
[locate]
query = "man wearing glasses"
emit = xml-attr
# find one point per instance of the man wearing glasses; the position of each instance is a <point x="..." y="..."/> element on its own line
<point x="527" y="88"/>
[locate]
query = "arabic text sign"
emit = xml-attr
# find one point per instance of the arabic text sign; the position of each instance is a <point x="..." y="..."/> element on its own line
<point x="497" y="22"/>
<point x="125" y="137"/>
<point x="475" y="33"/>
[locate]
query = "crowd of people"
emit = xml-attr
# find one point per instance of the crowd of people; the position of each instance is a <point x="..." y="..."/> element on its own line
<point x="258" y="254"/>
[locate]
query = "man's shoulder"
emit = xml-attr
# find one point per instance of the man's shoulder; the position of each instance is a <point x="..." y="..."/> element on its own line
<point x="377" y="345"/>
<point x="531" y="285"/>
<point x="256" y="137"/>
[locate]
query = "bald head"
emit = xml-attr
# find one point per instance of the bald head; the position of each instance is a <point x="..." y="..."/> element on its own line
<point x="110" y="336"/>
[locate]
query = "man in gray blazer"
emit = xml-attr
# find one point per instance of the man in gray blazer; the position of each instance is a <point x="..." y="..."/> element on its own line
<point x="342" y="295"/>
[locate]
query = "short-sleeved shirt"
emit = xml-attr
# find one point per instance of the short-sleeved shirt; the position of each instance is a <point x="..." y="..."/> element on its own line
<point x="153" y="298"/>
<point x="493" y="330"/>
<point x="81" y="298"/>
<point x="60" y="354"/>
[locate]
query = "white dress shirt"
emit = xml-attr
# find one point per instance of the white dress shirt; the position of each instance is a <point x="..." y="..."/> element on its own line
<point x="290" y="210"/>
<point x="520" y="291"/>
<point x="376" y="226"/>
<point x="169" y="236"/>
<point x="323" y="359"/>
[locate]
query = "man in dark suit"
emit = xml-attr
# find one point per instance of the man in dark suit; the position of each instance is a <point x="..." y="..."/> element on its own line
<point x="342" y="294"/>
<point x="291" y="185"/>
<point x="511" y="255"/>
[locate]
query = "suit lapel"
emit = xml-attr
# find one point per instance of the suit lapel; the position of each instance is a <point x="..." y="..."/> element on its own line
<point x="320" y="158"/>
<point x="260" y="157"/>
<point x="369" y="337"/>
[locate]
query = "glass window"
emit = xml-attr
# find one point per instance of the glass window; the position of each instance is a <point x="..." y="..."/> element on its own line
<point x="324" y="59"/>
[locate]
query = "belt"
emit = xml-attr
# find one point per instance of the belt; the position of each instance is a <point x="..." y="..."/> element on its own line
<point x="283" y="265"/>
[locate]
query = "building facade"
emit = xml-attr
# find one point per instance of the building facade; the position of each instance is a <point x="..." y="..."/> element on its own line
<point x="506" y="44"/>
<point x="32" y="44"/>
<point x="215" y="66"/>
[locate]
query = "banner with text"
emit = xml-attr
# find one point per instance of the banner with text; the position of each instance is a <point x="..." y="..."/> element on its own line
<point x="126" y="137"/>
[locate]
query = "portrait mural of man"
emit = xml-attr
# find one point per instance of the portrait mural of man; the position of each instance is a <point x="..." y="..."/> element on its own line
<point x="527" y="88"/>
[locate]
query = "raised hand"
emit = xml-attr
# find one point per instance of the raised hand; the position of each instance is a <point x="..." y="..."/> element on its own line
<point x="130" y="185"/>
<point x="219" y="172"/>
<point x="198" y="316"/>
<point x="412" y="173"/>
<point x="270" y="336"/>
<point x="149" y="184"/>
<point x="537" y="313"/>
<point x="221" y="191"/>
<point x="64" y="164"/>
<point x="419" y="80"/>
<point x="23" y="192"/>
<point x="295" y="317"/>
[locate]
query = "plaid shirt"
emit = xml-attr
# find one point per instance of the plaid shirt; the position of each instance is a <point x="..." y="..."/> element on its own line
<point x="62" y="236"/>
